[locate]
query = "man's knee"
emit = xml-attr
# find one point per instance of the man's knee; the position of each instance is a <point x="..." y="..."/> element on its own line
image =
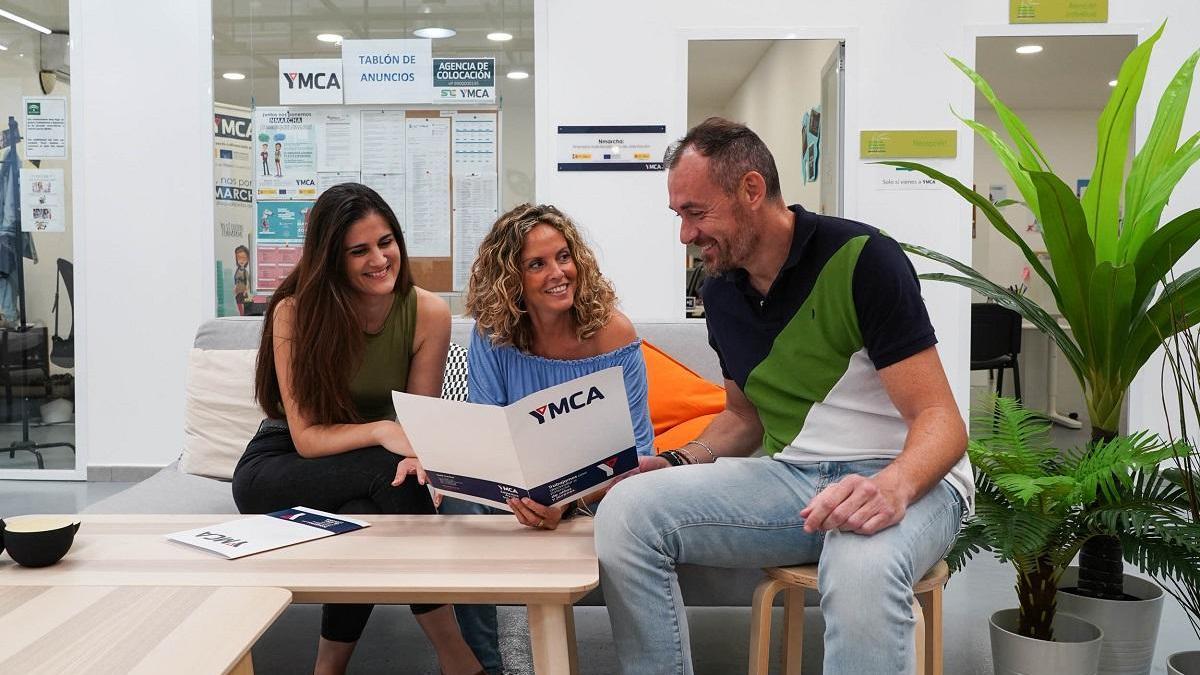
<point x="623" y="518"/>
<point x="867" y="563"/>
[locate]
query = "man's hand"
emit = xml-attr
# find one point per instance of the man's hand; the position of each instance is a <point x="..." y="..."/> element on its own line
<point x="857" y="504"/>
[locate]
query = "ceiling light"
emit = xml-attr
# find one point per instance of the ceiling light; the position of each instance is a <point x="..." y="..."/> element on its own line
<point x="233" y="76"/>
<point x="499" y="37"/>
<point x="435" y="33"/>
<point x="517" y="75"/>
<point x="3" y="48"/>
<point x="1112" y="83"/>
<point x="25" y="22"/>
<point x="332" y="38"/>
<point x="1029" y="49"/>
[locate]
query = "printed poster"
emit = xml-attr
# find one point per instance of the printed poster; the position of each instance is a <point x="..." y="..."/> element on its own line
<point x="285" y="153"/>
<point x="279" y="240"/>
<point x="45" y="127"/>
<point x="233" y="193"/>
<point x="43" y="200"/>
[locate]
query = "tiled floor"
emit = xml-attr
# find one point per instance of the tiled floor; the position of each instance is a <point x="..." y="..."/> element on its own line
<point x="393" y="643"/>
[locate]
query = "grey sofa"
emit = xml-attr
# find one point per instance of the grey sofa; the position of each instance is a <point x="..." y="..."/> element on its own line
<point x="173" y="491"/>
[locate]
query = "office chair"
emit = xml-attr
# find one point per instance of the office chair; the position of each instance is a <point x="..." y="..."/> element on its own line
<point x="996" y="342"/>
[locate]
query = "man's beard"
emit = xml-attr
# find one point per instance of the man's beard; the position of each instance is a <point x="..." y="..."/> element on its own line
<point x="734" y="252"/>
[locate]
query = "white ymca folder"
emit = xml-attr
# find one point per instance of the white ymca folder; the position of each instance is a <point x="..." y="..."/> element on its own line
<point x="555" y="445"/>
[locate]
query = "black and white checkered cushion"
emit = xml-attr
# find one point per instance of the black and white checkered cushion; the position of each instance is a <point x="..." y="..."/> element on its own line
<point x="454" y="382"/>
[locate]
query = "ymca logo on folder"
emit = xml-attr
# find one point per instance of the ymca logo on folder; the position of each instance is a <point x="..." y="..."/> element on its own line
<point x="255" y="534"/>
<point x="553" y="446"/>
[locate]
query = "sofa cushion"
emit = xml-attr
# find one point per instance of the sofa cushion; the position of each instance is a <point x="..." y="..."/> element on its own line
<point x="677" y="396"/>
<point x="171" y="491"/>
<point x="454" y="381"/>
<point x="221" y="414"/>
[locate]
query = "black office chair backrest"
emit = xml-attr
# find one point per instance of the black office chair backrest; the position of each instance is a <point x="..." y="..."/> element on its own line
<point x="62" y="352"/>
<point x="995" y="331"/>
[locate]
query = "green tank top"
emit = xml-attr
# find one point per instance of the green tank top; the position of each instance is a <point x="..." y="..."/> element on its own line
<point x="385" y="361"/>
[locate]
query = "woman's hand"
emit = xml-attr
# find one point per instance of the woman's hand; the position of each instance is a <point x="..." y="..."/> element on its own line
<point x="409" y="465"/>
<point x="392" y="437"/>
<point x="533" y="514"/>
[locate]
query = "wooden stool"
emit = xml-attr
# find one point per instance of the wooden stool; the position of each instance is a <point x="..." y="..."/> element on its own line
<point x="927" y="607"/>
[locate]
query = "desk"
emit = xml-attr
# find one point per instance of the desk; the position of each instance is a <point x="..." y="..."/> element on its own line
<point x="398" y="560"/>
<point x="138" y="630"/>
<point x="1052" y="375"/>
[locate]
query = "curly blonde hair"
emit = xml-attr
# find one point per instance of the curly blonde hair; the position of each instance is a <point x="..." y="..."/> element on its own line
<point x="495" y="297"/>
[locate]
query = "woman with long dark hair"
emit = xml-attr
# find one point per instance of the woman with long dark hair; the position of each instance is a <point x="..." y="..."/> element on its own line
<point x="343" y="330"/>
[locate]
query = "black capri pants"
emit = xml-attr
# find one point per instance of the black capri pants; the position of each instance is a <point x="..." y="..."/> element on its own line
<point x="272" y="476"/>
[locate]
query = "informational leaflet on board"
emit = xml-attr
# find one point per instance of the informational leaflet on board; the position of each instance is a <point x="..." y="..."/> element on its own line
<point x="43" y="205"/>
<point x="286" y="148"/>
<point x="279" y="240"/>
<point x="233" y="196"/>
<point x="45" y="127"/>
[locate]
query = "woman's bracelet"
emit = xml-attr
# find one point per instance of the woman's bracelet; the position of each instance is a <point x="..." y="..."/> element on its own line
<point x="704" y="445"/>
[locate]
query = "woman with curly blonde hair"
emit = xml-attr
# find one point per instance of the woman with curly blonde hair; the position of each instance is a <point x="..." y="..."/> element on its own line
<point x="544" y="315"/>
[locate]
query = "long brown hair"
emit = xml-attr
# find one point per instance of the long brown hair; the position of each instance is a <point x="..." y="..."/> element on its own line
<point x="327" y="336"/>
<point x="495" y="295"/>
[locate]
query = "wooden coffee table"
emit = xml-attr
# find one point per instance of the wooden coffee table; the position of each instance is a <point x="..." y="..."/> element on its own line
<point x="398" y="560"/>
<point x="142" y="630"/>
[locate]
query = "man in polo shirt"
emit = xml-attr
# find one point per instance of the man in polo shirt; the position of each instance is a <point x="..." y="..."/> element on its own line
<point x="830" y="366"/>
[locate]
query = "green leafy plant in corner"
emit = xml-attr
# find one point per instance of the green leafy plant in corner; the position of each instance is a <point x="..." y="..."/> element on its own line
<point x="1105" y="268"/>
<point x="1036" y="507"/>
<point x="1182" y="351"/>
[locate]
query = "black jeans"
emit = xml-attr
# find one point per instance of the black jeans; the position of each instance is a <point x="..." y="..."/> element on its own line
<point x="272" y="476"/>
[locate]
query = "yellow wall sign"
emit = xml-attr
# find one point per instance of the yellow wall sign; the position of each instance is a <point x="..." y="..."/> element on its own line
<point x="1057" y="11"/>
<point x="893" y="144"/>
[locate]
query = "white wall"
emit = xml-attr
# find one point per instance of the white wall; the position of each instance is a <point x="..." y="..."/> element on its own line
<point x="784" y="85"/>
<point x="141" y="130"/>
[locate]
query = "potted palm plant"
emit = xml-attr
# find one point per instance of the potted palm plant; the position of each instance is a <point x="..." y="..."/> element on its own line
<point x="1036" y="508"/>
<point x="1105" y="268"/>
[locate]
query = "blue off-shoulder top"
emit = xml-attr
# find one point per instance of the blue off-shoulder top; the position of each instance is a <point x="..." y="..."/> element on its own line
<point x="499" y="375"/>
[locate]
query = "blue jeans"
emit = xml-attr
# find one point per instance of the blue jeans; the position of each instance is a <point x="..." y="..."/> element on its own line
<point x="746" y="513"/>
<point x="478" y="623"/>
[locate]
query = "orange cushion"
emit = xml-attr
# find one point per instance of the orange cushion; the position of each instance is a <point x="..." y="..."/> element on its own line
<point x="675" y="437"/>
<point x="681" y="402"/>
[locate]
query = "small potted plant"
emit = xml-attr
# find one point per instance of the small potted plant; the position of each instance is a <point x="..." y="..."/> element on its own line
<point x="1035" y="508"/>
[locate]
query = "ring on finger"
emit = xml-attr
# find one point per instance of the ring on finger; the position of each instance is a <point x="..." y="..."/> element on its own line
<point x="540" y="523"/>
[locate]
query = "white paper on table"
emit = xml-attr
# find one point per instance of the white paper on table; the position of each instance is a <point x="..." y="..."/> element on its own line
<point x="264" y="532"/>
<point x="555" y="445"/>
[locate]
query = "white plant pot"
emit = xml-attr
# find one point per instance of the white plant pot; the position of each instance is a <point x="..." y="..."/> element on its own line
<point x="1130" y="626"/>
<point x="1075" y="650"/>
<point x="1184" y="663"/>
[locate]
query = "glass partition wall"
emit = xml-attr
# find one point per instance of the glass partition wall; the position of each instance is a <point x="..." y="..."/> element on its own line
<point x="429" y="103"/>
<point x="37" y="347"/>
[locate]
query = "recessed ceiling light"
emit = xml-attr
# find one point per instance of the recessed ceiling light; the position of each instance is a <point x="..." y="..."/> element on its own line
<point x="435" y="33"/>
<point x="1029" y="49"/>
<point x="332" y="38"/>
<point x="1112" y="83"/>
<point x="499" y="36"/>
<point x="517" y="75"/>
<point x="24" y="22"/>
<point x="233" y="76"/>
<point x="3" y="48"/>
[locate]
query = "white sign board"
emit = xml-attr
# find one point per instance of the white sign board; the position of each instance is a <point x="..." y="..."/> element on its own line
<point x="387" y="71"/>
<point x="43" y="201"/>
<point x="626" y="147"/>
<point x="310" y="81"/>
<point x="45" y="127"/>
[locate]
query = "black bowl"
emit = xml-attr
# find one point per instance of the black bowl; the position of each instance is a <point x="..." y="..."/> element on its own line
<point x="38" y="541"/>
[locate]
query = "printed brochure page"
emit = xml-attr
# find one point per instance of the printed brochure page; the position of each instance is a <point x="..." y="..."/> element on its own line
<point x="555" y="445"/>
<point x="255" y="534"/>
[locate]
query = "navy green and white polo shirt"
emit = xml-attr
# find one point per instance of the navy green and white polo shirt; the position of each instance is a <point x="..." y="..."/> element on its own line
<point x="846" y="303"/>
